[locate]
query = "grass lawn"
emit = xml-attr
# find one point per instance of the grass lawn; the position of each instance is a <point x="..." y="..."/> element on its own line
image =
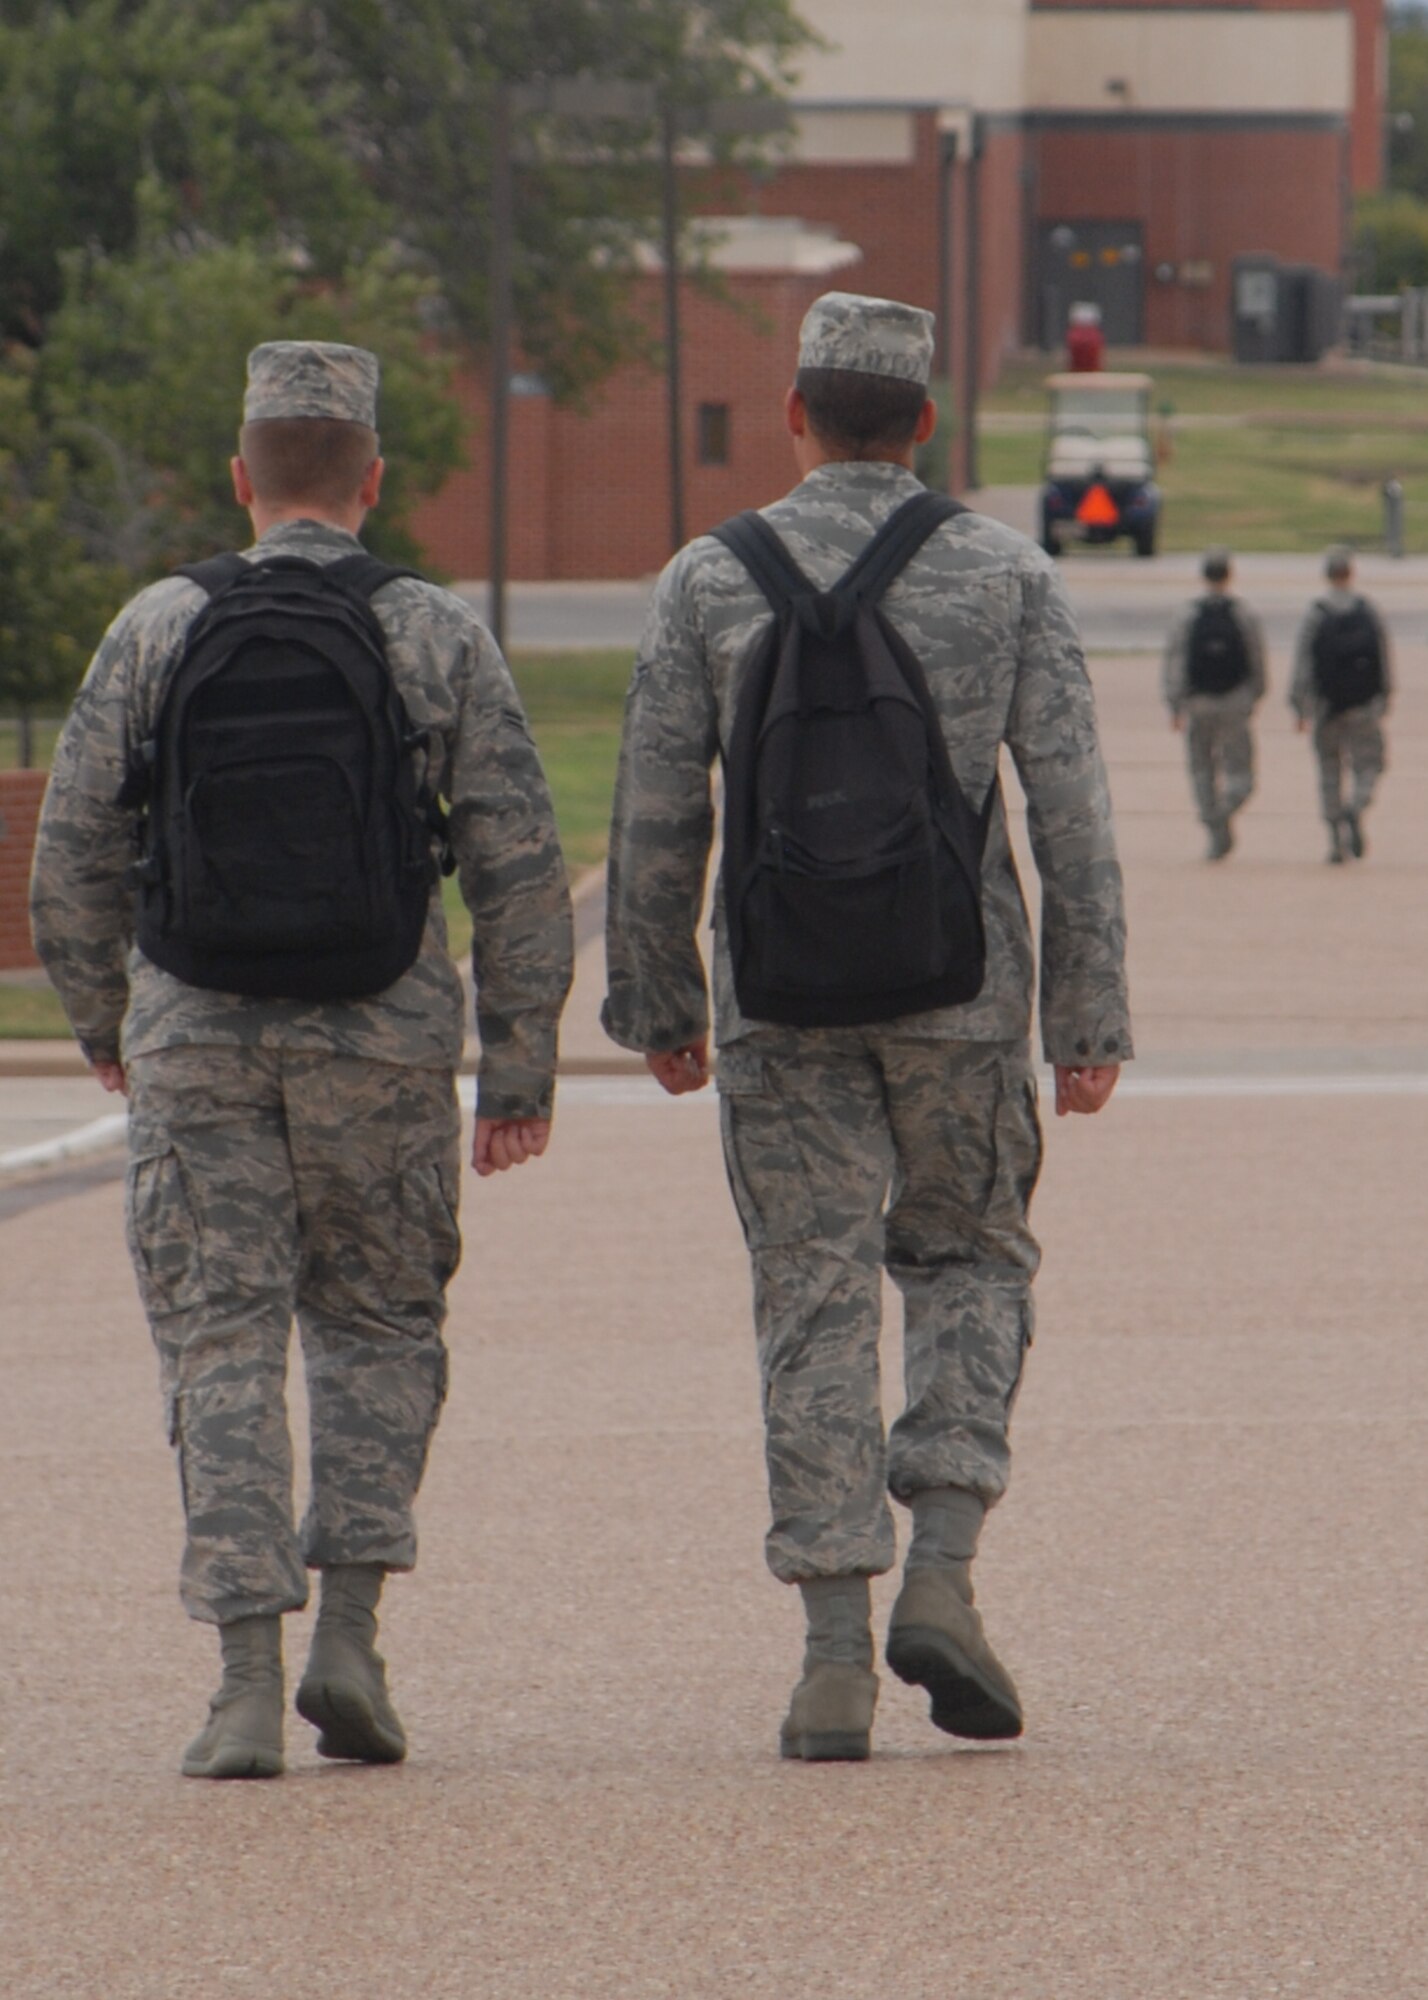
<point x="1300" y="465"/>
<point x="31" y="1014"/>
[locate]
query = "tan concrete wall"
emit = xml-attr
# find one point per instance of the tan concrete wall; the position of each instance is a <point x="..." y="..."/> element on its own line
<point x="916" y="52"/>
<point x="1192" y="60"/>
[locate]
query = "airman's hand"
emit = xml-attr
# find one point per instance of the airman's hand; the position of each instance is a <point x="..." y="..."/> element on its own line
<point x="1084" y="1089"/>
<point x="679" y="1070"/>
<point x="110" y="1075"/>
<point x="508" y="1142"/>
<point x="1177" y="723"/>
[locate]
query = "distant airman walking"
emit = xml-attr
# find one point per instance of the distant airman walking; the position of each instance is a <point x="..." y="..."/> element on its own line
<point x="1214" y="678"/>
<point x="1341" y="689"/>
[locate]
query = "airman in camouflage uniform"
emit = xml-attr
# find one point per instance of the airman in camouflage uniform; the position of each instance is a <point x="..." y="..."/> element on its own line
<point x="302" y="1157"/>
<point x="1350" y="741"/>
<point x="914" y="1145"/>
<point x="1218" y="744"/>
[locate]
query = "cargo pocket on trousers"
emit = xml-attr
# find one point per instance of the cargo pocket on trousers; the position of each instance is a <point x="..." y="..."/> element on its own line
<point x="162" y="1233"/>
<point x="430" y="1236"/>
<point x="1018" y="1143"/>
<point x="762" y="1157"/>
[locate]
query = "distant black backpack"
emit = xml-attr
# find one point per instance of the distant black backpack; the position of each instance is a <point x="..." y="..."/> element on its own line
<point x="852" y="860"/>
<point x="286" y="846"/>
<point x="1348" y="659"/>
<point x="1216" y="657"/>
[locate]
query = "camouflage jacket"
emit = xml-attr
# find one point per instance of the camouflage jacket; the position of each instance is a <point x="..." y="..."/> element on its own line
<point x="455" y="684"/>
<point x="986" y="614"/>
<point x="1304" y="696"/>
<point x="1180" y="697"/>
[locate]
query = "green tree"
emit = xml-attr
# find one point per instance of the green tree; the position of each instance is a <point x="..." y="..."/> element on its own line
<point x="1390" y="242"/>
<point x="54" y="598"/>
<point x="1407" y="109"/>
<point x="212" y="116"/>
<point x="141" y="376"/>
<point x="421" y="77"/>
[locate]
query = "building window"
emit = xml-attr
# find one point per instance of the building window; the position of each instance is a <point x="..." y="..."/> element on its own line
<point x="713" y="433"/>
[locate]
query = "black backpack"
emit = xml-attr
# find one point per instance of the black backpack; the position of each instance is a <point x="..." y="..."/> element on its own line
<point x="852" y="860"/>
<point x="286" y="847"/>
<point x="1348" y="660"/>
<point x="1216" y="657"/>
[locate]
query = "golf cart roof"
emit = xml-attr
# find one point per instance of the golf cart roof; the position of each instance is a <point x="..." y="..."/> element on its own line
<point x="1098" y="379"/>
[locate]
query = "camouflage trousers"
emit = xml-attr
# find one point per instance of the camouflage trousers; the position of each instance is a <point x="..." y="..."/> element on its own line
<point x="264" y="1184"/>
<point x="1220" y="753"/>
<point x="849" y="1150"/>
<point x="1352" y="741"/>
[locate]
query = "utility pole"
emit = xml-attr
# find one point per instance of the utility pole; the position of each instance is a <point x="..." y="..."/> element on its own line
<point x="669" y="190"/>
<point x="563" y="96"/>
<point x="501" y="229"/>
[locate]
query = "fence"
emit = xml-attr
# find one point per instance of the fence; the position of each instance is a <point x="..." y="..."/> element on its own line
<point x="1389" y="326"/>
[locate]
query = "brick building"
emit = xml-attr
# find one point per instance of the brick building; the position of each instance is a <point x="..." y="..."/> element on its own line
<point x="21" y="793"/>
<point x="589" y="495"/>
<point x="994" y="161"/>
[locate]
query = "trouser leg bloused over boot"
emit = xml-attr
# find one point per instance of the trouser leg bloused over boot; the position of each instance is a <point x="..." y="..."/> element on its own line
<point x="819" y="1126"/>
<point x="1220" y="753"/>
<point x="261" y="1183"/>
<point x="1352" y="742"/>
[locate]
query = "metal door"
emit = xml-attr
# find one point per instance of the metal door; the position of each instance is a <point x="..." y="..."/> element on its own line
<point x="1092" y="263"/>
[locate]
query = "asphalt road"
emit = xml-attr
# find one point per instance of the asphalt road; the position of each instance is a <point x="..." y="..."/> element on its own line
<point x="1123" y="602"/>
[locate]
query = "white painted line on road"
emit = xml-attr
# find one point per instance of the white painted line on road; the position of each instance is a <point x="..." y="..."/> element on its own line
<point x="106" y="1135"/>
<point x="620" y="1090"/>
<point x="1409" y="1084"/>
<point x="103" y="1135"/>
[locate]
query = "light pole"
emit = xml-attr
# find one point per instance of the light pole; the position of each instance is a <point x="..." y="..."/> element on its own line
<point x="732" y="117"/>
<point x="590" y="97"/>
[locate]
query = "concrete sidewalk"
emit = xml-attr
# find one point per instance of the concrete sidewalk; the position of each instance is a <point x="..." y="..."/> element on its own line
<point x="1208" y="1576"/>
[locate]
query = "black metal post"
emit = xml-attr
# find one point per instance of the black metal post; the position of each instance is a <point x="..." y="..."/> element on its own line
<point x="973" y="343"/>
<point x="670" y="217"/>
<point x="501" y="230"/>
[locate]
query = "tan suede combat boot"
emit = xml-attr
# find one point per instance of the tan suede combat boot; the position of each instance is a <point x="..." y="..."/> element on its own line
<point x="830" y="1717"/>
<point x="936" y="1641"/>
<point x="343" y="1691"/>
<point x="243" y="1737"/>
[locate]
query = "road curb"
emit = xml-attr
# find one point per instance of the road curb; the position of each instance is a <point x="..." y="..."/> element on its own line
<point x="86" y="1142"/>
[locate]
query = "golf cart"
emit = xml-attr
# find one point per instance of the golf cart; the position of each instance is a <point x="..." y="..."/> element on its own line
<point x="1100" y="463"/>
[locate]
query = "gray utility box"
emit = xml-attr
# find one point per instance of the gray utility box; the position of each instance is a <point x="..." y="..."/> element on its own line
<point x="1282" y="312"/>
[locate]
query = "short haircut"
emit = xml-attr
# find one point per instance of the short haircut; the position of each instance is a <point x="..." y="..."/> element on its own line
<point x="291" y="459"/>
<point x="1216" y="566"/>
<point x="857" y="413"/>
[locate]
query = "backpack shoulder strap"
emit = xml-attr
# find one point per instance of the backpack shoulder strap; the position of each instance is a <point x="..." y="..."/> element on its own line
<point x="896" y="543"/>
<point x="366" y="574"/>
<point x="763" y="553"/>
<point x="216" y="573"/>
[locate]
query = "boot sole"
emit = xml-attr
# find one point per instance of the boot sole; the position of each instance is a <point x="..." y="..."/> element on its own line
<point x="828" y="1746"/>
<point x="348" y="1722"/>
<point x="240" y="1760"/>
<point x="964" y="1701"/>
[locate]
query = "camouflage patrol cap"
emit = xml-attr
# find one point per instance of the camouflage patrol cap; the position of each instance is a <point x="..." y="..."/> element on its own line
<point x="311" y="378"/>
<point x="867" y="337"/>
<point x="1215" y="565"/>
